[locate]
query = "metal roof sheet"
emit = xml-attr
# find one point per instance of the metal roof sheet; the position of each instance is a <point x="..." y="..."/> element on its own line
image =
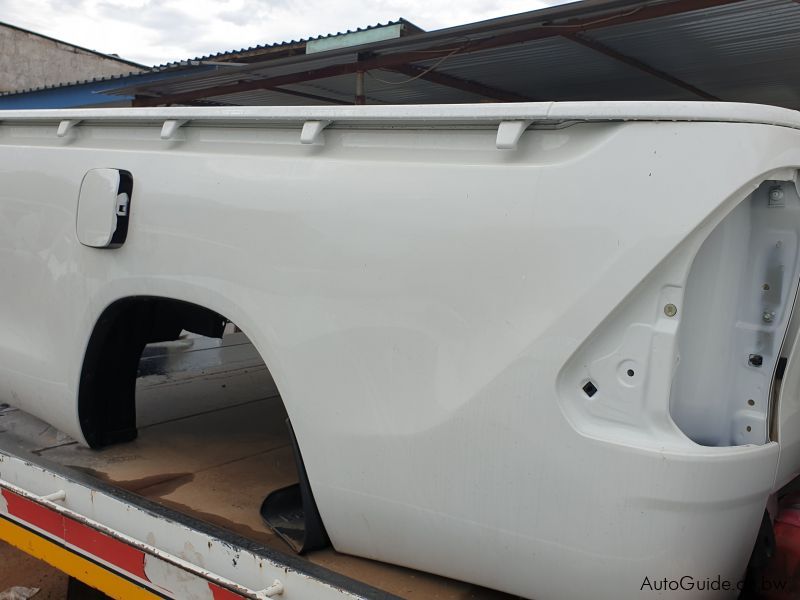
<point x="69" y="84"/>
<point x="742" y="50"/>
<point x="266" y="98"/>
<point x="381" y="87"/>
<point x="558" y="69"/>
<point x="452" y="36"/>
<point x="301" y="41"/>
<point x="746" y="52"/>
<point x="190" y="64"/>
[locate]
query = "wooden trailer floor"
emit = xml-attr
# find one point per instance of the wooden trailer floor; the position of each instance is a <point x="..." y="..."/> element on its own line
<point x="212" y="444"/>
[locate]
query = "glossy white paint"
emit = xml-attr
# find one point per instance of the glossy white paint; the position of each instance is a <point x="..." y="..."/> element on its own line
<point x="430" y="307"/>
<point x="739" y="298"/>
<point x="97" y="207"/>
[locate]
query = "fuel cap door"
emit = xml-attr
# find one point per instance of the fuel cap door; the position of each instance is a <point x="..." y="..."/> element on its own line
<point x="104" y="204"/>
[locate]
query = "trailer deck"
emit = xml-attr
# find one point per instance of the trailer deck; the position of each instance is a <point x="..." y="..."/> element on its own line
<point x="183" y="499"/>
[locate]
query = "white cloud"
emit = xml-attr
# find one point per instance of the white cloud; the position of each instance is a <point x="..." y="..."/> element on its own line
<point x="158" y="31"/>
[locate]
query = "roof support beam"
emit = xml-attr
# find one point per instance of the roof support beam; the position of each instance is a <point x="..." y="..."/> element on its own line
<point x="588" y="42"/>
<point x="283" y="90"/>
<point x="465" y="85"/>
<point x="539" y="31"/>
<point x="637" y="64"/>
<point x="251" y="84"/>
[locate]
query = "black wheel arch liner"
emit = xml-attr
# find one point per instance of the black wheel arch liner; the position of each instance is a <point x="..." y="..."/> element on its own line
<point x="107" y="388"/>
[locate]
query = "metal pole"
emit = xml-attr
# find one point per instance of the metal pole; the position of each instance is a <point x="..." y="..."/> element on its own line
<point x="360" y="99"/>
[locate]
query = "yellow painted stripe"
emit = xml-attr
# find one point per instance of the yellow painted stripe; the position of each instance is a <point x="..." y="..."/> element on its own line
<point x="72" y="563"/>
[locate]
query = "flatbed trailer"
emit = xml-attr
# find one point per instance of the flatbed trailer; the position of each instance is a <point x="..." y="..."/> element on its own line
<point x="175" y="514"/>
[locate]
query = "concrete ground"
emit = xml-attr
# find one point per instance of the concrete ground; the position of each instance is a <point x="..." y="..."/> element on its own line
<point x="19" y="569"/>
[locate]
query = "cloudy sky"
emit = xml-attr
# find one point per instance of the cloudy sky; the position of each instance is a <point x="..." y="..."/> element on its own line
<point x="158" y="31"/>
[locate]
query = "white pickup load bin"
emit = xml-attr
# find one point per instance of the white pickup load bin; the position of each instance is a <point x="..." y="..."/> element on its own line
<point x="547" y="349"/>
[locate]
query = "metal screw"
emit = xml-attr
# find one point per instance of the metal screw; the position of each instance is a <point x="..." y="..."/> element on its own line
<point x="670" y="310"/>
<point x="755" y="360"/>
<point x="768" y="316"/>
<point x="776" y="194"/>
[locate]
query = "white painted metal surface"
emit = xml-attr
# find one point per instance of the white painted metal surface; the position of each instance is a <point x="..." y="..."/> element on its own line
<point x="432" y="308"/>
<point x="444" y="115"/>
<point x="179" y="561"/>
<point x="97" y="207"/>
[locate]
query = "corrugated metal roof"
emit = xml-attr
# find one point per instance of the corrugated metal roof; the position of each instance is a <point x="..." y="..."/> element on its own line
<point x="382" y="88"/>
<point x="451" y="36"/>
<point x="266" y="98"/>
<point x="556" y="68"/>
<point x="744" y="50"/>
<point x="340" y="91"/>
<point x="125" y="76"/>
<point x="190" y="64"/>
<point x="228" y="54"/>
<point x="550" y="66"/>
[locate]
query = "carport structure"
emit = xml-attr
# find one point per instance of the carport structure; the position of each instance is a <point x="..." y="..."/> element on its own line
<point x="729" y="50"/>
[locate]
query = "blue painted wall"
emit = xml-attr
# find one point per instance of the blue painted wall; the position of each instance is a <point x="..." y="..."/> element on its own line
<point x="89" y="94"/>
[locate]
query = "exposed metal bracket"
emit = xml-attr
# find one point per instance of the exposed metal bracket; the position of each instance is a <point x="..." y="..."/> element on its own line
<point x="509" y="132"/>
<point x="65" y="126"/>
<point x="170" y="128"/>
<point x="312" y="131"/>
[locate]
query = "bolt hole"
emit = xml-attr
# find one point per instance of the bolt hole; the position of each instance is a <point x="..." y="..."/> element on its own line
<point x="630" y="373"/>
<point x="751" y="402"/>
<point x="749" y="428"/>
<point x="765" y="287"/>
<point x="589" y="389"/>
